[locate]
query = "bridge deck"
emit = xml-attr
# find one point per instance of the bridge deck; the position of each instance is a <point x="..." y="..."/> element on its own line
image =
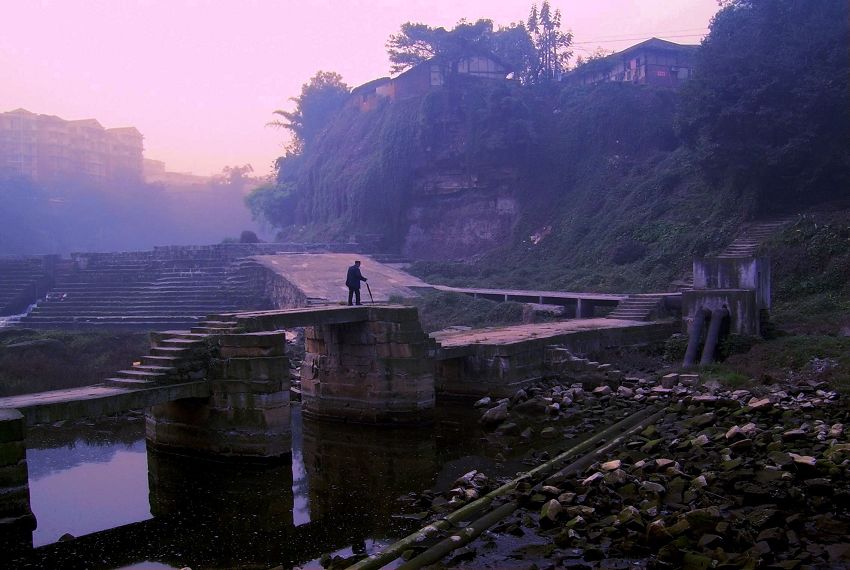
<point x="543" y="297"/>
<point x="97" y="400"/>
<point x="453" y="344"/>
<point x="315" y="316"/>
<point x="322" y="276"/>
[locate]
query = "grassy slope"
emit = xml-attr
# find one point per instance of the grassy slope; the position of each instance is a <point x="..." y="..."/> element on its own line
<point x="619" y="202"/>
<point x="52" y="360"/>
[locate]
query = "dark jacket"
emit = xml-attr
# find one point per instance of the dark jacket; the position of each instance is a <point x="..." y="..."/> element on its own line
<point x="353" y="278"/>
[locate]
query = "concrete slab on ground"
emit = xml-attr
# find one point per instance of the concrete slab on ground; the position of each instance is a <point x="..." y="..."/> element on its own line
<point x="584" y="332"/>
<point x="97" y="400"/>
<point x="322" y="275"/>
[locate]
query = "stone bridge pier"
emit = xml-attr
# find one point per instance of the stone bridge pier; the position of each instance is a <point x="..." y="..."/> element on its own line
<point x="247" y="413"/>
<point x="16" y="519"/>
<point x="376" y="371"/>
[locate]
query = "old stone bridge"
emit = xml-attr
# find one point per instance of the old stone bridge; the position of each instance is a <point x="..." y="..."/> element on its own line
<point x="222" y="388"/>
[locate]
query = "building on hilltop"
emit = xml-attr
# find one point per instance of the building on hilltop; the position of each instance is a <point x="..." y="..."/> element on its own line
<point x="155" y="172"/>
<point x="651" y="62"/>
<point x="49" y="149"/>
<point x="426" y="76"/>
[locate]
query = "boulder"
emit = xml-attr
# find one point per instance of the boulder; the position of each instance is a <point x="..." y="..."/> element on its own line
<point x="495" y="415"/>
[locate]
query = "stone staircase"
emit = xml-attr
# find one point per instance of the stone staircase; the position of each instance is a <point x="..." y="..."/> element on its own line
<point x="637" y="308"/>
<point x="751" y="237"/>
<point x="137" y="294"/>
<point x="22" y="282"/>
<point x="175" y="356"/>
<point x="746" y="244"/>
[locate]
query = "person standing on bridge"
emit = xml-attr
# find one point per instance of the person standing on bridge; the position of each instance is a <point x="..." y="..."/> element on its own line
<point x="352" y="281"/>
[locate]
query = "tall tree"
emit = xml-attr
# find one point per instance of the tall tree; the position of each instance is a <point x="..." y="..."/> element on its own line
<point x="768" y="105"/>
<point x="416" y="43"/>
<point x="320" y="99"/>
<point x="552" y="43"/>
<point x="514" y="46"/>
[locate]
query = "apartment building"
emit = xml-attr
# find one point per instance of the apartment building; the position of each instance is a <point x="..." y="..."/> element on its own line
<point x="49" y="149"/>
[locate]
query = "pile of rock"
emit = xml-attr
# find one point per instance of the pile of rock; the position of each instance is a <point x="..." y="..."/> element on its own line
<point x="729" y="482"/>
<point x="727" y="478"/>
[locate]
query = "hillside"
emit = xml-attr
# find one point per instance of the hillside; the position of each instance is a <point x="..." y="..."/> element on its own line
<point x="613" y="187"/>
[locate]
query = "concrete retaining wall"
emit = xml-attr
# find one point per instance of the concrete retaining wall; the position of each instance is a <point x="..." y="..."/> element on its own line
<point x="742" y="305"/>
<point x="500" y="370"/>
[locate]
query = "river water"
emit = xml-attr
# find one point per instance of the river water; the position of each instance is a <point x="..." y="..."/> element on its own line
<point x="102" y="500"/>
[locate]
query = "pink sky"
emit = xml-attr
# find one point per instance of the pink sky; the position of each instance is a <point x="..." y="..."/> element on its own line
<point x="200" y="78"/>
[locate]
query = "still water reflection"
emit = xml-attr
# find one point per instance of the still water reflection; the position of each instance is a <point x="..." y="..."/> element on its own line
<point x="130" y="508"/>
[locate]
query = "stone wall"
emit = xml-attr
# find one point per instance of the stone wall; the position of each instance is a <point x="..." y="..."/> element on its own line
<point x="456" y="219"/>
<point x="247" y="414"/>
<point x="499" y="370"/>
<point x="16" y="519"/>
<point x="742" y="305"/>
<point x="735" y="273"/>
<point x="380" y="370"/>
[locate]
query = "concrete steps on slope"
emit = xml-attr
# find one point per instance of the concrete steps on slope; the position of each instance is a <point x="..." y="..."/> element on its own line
<point x="636" y="308"/>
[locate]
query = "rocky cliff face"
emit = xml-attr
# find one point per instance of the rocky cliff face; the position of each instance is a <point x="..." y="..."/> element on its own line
<point x="456" y="216"/>
<point x="435" y="176"/>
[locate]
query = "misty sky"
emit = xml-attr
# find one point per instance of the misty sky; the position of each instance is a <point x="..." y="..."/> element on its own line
<point x="200" y="78"/>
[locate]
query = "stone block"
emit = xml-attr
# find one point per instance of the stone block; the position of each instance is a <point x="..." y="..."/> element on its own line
<point x="394" y="314"/>
<point x="13" y="475"/>
<point x="691" y="380"/>
<point x="14" y="502"/>
<point x="12" y="452"/>
<point x="12" y="425"/>
<point x="248" y="387"/>
<point x="406" y="366"/>
<point x="251" y="351"/>
<point x="254" y="340"/>
<point x="256" y="369"/>
<point x="669" y="380"/>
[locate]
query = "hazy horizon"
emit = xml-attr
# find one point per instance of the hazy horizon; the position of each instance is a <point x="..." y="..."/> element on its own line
<point x="200" y="79"/>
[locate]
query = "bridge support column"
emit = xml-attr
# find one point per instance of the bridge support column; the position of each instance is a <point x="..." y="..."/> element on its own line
<point x="247" y="416"/>
<point x="584" y="309"/>
<point x="16" y="519"/>
<point x="377" y="371"/>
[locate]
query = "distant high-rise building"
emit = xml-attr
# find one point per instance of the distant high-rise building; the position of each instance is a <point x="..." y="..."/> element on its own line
<point x="49" y="149"/>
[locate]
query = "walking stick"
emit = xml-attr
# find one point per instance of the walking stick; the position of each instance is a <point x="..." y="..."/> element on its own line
<point x="371" y="298"/>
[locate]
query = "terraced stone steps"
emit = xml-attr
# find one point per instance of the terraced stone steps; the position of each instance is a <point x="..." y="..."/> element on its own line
<point x="170" y="359"/>
<point x="636" y="308"/>
<point x="751" y="238"/>
<point x="22" y="281"/>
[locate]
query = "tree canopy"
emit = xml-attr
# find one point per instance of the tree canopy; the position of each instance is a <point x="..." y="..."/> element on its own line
<point x="536" y="51"/>
<point x="768" y="106"/>
<point x="320" y="99"/>
<point x="416" y="43"/>
<point x="552" y="44"/>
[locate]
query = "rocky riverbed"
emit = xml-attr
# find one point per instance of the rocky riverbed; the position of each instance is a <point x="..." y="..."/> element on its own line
<point x="721" y="479"/>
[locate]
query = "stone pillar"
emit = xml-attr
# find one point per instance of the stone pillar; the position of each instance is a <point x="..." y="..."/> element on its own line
<point x="16" y="519"/>
<point x="376" y="371"/>
<point x="247" y="416"/>
<point x="584" y="309"/>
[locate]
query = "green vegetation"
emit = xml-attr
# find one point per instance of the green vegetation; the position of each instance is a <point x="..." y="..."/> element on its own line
<point x="819" y="358"/>
<point x="35" y="361"/>
<point x="537" y="50"/>
<point x="811" y="291"/>
<point x="768" y="110"/>
<point x="321" y="98"/>
<point x="619" y="185"/>
<point x="438" y="310"/>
